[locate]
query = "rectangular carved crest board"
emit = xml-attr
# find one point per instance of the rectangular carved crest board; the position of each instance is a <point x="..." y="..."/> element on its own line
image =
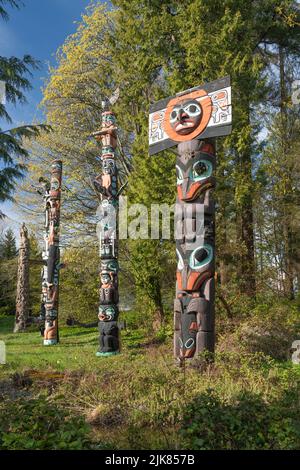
<point x="207" y="113"/>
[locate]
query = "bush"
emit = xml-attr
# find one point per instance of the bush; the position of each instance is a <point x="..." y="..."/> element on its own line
<point x="244" y="422"/>
<point x="271" y="329"/>
<point x="5" y="311"/>
<point x="38" y="424"/>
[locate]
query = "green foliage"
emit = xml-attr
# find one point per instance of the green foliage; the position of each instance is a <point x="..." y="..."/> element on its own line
<point x="8" y="249"/>
<point x="246" y="422"/>
<point x="14" y="73"/>
<point x="40" y="424"/>
<point x="8" y="279"/>
<point x="242" y="400"/>
<point x="12" y="3"/>
<point x="34" y="276"/>
<point x="79" y="287"/>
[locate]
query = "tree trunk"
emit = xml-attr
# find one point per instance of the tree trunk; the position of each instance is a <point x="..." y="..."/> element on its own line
<point x="22" y="298"/>
<point x="247" y="265"/>
<point x="159" y="314"/>
<point x="245" y="222"/>
<point x="287" y="232"/>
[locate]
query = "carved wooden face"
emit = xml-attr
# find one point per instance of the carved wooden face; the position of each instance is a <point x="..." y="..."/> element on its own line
<point x="185" y="117"/>
<point x="108" y="166"/>
<point x="194" y="267"/>
<point x="108" y="119"/>
<point x="105" y="278"/>
<point x="108" y="313"/>
<point x="194" y="175"/>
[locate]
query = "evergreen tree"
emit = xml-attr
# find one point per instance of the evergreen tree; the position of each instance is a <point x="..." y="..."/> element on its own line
<point x="14" y="73"/>
<point x="230" y="38"/>
<point x="8" y="249"/>
<point x="151" y="50"/>
<point x="35" y="264"/>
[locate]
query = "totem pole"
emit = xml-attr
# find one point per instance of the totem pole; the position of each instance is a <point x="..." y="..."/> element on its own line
<point x="22" y="297"/>
<point x="106" y="185"/>
<point x="191" y="120"/>
<point x="51" y="254"/>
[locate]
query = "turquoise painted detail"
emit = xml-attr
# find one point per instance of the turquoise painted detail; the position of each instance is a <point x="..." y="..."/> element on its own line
<point x="107" y="354"/>
<point x="189" y="343"/>
<point x="209" y="169"/>
<point x="50" y="342"/>
<point x="194" y="264"/>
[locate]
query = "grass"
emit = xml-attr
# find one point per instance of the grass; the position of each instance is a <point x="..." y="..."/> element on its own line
<point x="75" y="351"/>
<point x="140" y="399"/>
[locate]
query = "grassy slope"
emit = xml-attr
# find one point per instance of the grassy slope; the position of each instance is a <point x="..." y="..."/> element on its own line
<point x="139" y="399"/>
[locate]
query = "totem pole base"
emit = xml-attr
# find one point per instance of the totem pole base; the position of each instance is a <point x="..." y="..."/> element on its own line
<point x="50" y="342"/>
<point x="106" y="354"/>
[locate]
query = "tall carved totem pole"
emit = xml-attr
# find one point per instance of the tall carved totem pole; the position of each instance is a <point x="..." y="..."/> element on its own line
<point x="192" y="120"/>
<point x="51" y="254"/>
<point x="106" y="184"/>
<point x="22" y="297"/>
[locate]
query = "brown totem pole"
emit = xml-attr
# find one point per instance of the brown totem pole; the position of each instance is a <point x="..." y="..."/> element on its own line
<point x="51" y="254"/>
<point x="22" y="298"/>
<point x="106" y="184"/>
<point x="191" y="120"/>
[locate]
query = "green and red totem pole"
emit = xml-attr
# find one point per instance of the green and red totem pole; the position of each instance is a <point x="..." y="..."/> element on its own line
<point x="51" y="254"/>
<point x="192" y="120"/>
<point x="106" y="185"/>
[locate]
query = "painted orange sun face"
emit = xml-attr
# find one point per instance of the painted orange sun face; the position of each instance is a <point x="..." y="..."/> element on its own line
<point x="187" y="117"/>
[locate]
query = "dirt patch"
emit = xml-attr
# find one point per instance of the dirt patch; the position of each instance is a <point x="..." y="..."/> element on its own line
<point x="8" y="391"/>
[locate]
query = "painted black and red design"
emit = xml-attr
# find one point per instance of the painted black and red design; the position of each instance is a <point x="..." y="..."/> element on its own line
<point x="51" y="254"/>
<point x="192" y="120"/>
<point x="106" y="185"/>
<point x="194" y="303"/>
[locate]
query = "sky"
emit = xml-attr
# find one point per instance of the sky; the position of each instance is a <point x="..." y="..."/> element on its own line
<point x="38" y="28"/>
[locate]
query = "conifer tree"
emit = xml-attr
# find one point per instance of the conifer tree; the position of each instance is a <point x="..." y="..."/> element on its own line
<point x="8" y="249"/>
<point x="14" y="75"/>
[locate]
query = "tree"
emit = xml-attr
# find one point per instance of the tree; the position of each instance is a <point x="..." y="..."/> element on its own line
<point x="22" y="298"/>
<point x="92" y="63"/>
<point x="14" y="73"/>
<point x="8" y="249"/>
<point x="225" y="37"/>
<point x="151" y="50"/>
<point x="8" y="268"/>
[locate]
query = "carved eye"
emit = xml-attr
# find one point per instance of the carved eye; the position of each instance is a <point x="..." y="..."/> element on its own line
<point x="173" y="116"/>
<point x="180" y="263"/>
<point x="189" y="343"/>
<point x="201" y="170"/>
<point x="193" y="109"/>
<point x="201" y="256"/>
<point x="179" y="175"/>
<point x="112" y="266"/>
<point x="110" y="312"/>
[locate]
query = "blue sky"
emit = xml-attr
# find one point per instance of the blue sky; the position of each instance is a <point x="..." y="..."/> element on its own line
<point x="38" y="29"/>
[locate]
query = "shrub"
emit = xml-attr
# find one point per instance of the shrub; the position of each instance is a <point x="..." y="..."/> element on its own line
<point x="40" y="424"/>
<point x="244" y="422"/>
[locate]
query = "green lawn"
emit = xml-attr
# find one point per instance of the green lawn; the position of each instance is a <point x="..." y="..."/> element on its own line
<point x="76" y="349"/>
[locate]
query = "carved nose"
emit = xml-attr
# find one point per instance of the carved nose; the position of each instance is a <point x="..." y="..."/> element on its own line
<point x="185" y="184"/>
<point x="182" y="115"/>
